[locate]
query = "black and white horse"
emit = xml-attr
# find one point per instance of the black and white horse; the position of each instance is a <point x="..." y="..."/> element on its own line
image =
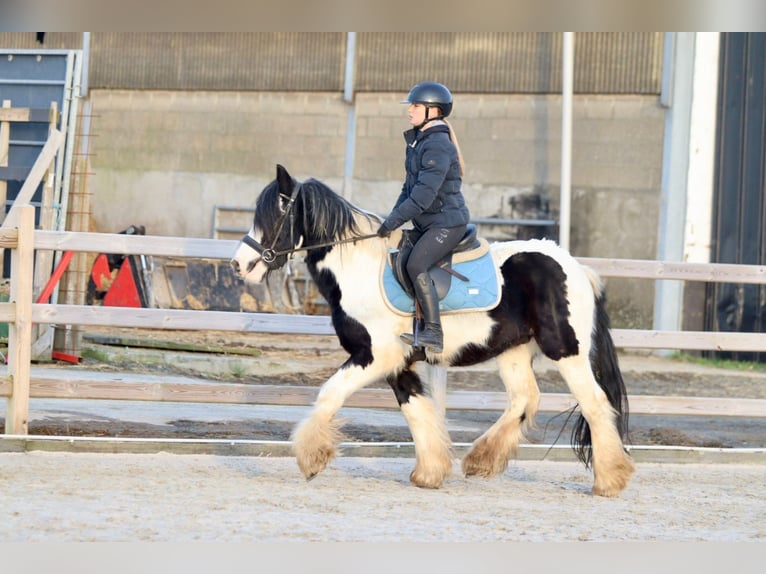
<point x="549" y="304"/>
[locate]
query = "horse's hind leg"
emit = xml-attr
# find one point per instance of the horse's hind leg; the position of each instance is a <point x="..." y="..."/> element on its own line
<point x="433" y="453"/>
<point x="612" y="466"/>
<point x="490" y="452"/>
<point x="315" y="439"/>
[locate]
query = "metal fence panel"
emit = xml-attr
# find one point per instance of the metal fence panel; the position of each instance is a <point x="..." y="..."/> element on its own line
<point x="483" y="62"/>
<point x="519" y="62"/>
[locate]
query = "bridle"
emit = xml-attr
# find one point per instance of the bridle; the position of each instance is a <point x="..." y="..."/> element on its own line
<point x="269" y="254"/>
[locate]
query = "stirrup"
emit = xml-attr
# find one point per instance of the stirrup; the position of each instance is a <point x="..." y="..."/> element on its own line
<point x="408" y="338"/>
<point x="435" y="346"/>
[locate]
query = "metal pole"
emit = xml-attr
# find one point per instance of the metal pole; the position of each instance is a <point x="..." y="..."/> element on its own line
<point x="85" y="65"/>
<point x="676" y="154"/>
<point x="348" y="97"/>
<point x="566" y="139"/>
<point x="348" y="84"/>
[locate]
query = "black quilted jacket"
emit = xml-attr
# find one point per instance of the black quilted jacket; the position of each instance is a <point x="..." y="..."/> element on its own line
<point x="431" y="195"/>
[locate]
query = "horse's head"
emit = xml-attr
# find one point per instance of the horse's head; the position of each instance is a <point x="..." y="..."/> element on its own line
<point x="291" y="216"/>
<point x="273" y="234"/>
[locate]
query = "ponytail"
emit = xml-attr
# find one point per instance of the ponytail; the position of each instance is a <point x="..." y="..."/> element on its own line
<point x="453" y="139"/>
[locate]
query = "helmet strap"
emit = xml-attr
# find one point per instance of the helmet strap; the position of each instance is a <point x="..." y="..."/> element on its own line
<point x="427" y="119"/>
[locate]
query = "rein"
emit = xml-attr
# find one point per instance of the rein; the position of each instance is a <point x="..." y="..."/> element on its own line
<point x="269" y="254"/>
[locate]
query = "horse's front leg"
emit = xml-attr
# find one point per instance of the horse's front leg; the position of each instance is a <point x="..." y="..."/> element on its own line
<point x="433" y="448"/>
<point x="315" y="439"/>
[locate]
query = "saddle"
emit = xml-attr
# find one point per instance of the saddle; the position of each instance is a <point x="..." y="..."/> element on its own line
<point x="466" y="280"/>
<point x="442" y="271"/>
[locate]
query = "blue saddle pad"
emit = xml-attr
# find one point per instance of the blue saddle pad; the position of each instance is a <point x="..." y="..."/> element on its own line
<point x="481" y="291"/>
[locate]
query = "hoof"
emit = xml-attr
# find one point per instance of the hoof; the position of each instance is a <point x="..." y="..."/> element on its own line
<point x="422" y="480"/>
<point x="606" y="492"/>
<point x="431" y="475"/>
<point x="315" y="446"/>
<point x="615" y="480"/>
<point x="470" y="469"/>
<point x="311" y="464"/>
<point x="484" y="461"/>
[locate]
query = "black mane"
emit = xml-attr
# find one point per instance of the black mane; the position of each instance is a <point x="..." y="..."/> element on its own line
<point x="320" y="214"/>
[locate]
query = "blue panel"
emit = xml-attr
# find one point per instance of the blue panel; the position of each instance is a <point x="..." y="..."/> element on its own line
<point x="33" y="66"/>
<point x="32" y="96"/>
<point x="30" y="80"/>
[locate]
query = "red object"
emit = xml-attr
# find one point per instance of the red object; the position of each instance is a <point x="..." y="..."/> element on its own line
<point x="124" y="291"/>
<point x="59" y="356"/>
<point x="54" y="279"/>
<point x="100" y="273"/>
<point x="45" y="296"/>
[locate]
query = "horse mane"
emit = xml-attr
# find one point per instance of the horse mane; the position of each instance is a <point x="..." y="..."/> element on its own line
<point x="320" y="213"/>
<point x="326" y="215"/>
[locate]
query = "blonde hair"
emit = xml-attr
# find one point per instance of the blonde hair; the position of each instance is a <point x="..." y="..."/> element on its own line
<point x="453" y="139"/>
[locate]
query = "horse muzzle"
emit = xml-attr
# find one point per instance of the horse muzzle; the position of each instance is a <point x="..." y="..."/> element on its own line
<point x="238" y="269"/>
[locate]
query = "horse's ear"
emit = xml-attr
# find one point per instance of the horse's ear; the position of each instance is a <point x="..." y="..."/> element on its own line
<point x="284" y="181"/>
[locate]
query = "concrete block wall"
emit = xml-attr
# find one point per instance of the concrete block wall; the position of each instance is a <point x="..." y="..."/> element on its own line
<point x="165" y="159"/>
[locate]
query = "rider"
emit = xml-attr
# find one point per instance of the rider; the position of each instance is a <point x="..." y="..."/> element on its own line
<point x="431" y="198"/>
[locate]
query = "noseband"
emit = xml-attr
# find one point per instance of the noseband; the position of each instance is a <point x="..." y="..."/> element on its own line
<point x="269" y="254"/>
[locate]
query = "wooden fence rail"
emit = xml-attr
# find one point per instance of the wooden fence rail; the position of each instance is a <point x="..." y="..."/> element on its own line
<point x="20" y="312"/>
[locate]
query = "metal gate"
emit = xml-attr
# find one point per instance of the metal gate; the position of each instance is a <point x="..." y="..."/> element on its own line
<point x="39" y="91"/>
<point x="739" y="226"/>
<point x="35" y="80"/>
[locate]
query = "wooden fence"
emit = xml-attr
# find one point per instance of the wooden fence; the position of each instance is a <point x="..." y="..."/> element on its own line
<point x="20" y="313"/>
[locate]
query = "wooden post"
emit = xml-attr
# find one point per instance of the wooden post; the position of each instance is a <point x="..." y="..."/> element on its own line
<point x="36" y="174"/>
<point x="42" y="335"/>
<point x="20" y="329"/>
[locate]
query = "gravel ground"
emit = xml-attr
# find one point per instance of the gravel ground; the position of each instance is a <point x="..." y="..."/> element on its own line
<point x="66" y="497"/>
<point x="50" y="496"/>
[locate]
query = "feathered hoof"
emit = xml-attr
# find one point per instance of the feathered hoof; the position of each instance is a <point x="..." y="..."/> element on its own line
<point x="432" y="472"/>
<point x="484" y="461"/>
<point x="432" y="480"/>
<point x="314" y="462"/>
<point x="611" y="484"/>
<point x="315" y="446"/>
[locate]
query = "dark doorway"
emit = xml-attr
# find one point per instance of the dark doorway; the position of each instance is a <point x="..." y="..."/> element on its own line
<point x="739" y="226"/>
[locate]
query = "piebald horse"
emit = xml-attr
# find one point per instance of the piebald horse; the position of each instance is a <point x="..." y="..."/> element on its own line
<point x="549" y="303"/>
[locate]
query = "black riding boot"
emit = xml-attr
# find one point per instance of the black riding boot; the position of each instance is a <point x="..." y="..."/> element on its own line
<point x="431" y="336"/>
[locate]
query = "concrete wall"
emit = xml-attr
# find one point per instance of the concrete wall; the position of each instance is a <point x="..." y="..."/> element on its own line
<point x="164" y="159"/>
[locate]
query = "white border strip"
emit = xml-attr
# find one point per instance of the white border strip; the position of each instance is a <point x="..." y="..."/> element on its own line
<point x="246" y="447"/>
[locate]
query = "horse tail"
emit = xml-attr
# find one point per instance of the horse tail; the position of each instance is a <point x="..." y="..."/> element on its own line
<point x="606" y="370"/>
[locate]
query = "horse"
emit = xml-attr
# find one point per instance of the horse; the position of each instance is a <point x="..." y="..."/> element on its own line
<point x="550" y="304"/>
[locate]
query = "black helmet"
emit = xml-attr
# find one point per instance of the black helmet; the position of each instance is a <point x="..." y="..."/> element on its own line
<point x="431" y="93"/>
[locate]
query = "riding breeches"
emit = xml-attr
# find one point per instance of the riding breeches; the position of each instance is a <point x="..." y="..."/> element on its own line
<point x="431" y="246"/>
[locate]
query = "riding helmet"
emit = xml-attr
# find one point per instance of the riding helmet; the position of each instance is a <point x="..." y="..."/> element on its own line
<point x="431" y="94"/>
